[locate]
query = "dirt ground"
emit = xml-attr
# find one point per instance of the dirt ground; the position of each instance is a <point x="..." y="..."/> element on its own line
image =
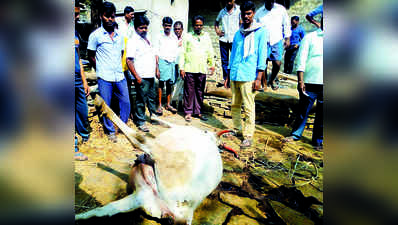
<point x="270" y="183"/>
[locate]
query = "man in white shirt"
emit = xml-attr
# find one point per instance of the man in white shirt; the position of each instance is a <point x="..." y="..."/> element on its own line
<point x="166" y="54"/>
<point x="141" y="61"/>
<point x="125" y="24"/>
<point x="275" y="19"/>
<point x="230" y="21"/>
<point x="126" y="29"/>
<point x="310" y="87"/>
<point x="178" y="91"/>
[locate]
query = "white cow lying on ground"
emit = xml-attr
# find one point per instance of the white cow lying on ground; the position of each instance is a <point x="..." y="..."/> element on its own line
<point x="180" y="168"/>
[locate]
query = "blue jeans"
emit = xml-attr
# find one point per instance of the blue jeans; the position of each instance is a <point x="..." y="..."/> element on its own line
<point x="119" y="89"/>
<point x="81" y="112"/>
<point x="315" y="92"/>
<point x="225" y="49"/>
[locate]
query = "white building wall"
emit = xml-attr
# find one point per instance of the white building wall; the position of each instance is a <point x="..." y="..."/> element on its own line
<point x="156" y="10"/>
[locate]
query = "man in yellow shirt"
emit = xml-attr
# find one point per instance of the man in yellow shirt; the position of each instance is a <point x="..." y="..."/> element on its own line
<point x="196" y="58"/>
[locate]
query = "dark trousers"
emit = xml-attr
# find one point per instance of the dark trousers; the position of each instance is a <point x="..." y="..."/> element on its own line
<point x="290" y="55"/>
<point x="194" y="88"/>
<point x="129" y="79"/>
<point x="146" y="95"/>
<point x="225" y="49"/>
<point x="315" y="92"/>
<point x="81" y="112"/>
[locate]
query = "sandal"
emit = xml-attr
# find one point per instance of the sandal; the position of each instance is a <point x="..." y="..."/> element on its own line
<point x="159" y="111"/>
<point x="143" y="128"/>
<point x="274" y="86"/>
<point x="201" y="117"/>
<point x="246" y="143"/>
<point x="231" y="134"/>
<point x="80" y="156"/>
<point x="171" y="109"/>
<point x="188" y="118"/>
<point x="288" y="139"/>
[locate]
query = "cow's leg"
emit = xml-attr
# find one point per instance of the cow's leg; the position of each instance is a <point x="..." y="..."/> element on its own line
<point x="148" y="176"/>
<point x="127" y="204"/>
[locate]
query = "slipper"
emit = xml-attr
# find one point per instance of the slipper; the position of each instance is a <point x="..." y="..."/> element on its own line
<point x="188" y="118"/>
<point x="246" y="143"/>
<point x="143" y="128"/>
<point x="231" y="134"/>
<point x="274" y="86"/>
<point x="159" y="111"/>
<point x="171" y="109"/>
<point x="288" y="139"/>
<point x="201" y="117"/>
<point x="80" y="156"/>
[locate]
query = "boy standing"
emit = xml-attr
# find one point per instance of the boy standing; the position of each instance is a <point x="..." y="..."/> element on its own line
<point x="291" y="52"/>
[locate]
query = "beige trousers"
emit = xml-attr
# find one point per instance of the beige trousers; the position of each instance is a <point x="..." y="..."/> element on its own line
<point x="242" y="92"/>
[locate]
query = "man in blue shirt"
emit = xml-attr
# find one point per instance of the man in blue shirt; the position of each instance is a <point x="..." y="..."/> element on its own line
<point x="246" y="68"/>
<point x="81" y="92"/>
<point x="295" y="39"/>
<point x="105" y="50"/>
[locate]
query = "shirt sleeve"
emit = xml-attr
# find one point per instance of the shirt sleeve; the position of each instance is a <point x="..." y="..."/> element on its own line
<point x="131" y="49"/>
<point x="157" y="46"/>
<point x="218" y="19"/>
<point x="181" y="62"/>
<point x="92" y="42"/>
<point x="210" y="52"/>
<point x="233" y="52"/>
<point x="302" y="54"/>
<point x="262" y="50"/>
<point x="316" y="11"/>
<point x="287" y="31"/>
<point x="302" y="33"/>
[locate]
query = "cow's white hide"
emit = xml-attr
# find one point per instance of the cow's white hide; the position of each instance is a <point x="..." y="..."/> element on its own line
<point x="188" y="167"/>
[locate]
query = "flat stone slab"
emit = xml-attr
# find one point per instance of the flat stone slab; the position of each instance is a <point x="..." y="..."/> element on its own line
<point x="211" y="211"/>
<point x="242" y="220"/>
<point x="248" y="206"/>
<point x="288" y="215"/>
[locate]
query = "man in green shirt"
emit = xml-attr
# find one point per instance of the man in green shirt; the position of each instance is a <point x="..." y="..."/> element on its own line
<point x="196" y="58"/>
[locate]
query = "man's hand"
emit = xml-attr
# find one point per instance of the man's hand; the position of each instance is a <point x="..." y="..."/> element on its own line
<point x="286" y="44"/>
<point x="220" y="33"/>
<point x="296" y="46"/>
<point x="257" y="85"/>
<point x="139" y="79"/>
<point x="227" y="84"/>
<point x="157" y="74"/>
<point x="182" y="72"/>
<point x="86" y="89"/>
<point x="301" y="87"/>
<point x="212" y="69"/>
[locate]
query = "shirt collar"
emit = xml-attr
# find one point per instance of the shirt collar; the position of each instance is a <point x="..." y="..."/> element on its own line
<point x="234" y="9"/>
<point x="106" y="32"/>
<point x="194" y="34"/>
<point x="139" y="37"/>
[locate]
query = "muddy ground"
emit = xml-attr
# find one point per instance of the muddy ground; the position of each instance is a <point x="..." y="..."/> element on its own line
<point x="270" y="183"/>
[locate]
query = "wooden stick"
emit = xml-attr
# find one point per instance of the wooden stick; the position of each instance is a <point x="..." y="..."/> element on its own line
<point x="134" y="138"/>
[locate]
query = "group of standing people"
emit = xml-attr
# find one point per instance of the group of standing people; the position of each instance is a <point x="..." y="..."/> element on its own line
<point x="248" y="40"/>
<point x="123" y="56"/>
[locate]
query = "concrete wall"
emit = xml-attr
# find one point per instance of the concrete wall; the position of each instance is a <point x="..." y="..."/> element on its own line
<point x="156" y="10"/>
